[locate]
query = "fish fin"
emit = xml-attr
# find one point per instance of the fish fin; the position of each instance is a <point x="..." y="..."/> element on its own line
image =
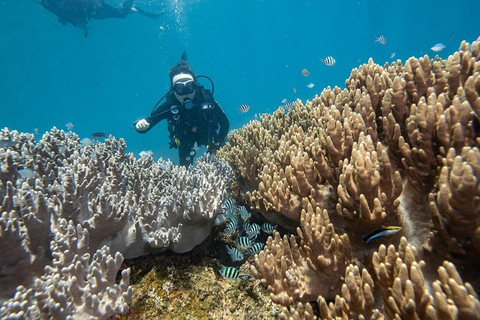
<point x="366" y="238"/>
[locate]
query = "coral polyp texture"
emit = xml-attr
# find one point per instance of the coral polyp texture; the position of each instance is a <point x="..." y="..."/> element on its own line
<point x="399" y="146"/>
<point x="71" y="212"/>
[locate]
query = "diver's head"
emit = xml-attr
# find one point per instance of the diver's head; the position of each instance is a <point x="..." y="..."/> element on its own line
<point x="183" y="82"/>
<point x="184" y="86"/>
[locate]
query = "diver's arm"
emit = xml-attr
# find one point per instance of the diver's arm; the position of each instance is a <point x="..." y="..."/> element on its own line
<point x="155" y="117"/>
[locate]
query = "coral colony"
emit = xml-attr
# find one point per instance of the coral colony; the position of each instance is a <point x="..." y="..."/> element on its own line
<point x="397" y="148"/>
<point x="394" y="157"/>
<point x="66" y="229"/>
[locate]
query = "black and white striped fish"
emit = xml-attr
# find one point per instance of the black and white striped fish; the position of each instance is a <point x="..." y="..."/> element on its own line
<point x="252" y="231"/>
<point x="231" y="273"/>
<point x="244" y="243"/>
<point x="244" y="214"/>
<point x="243" y="108"/>
<point x="288" y="105"/>
<point x="380" y="39"/>
<point x="268" y="227"/>
<point x="256" y="248"/>
<point x="228" y="204"/>
<point x="328" y="61"/>
<point x="231" y="226"/>
<point x="234" y="254"/>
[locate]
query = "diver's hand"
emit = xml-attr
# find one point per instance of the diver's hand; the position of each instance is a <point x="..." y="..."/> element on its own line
<point x="142" y="125"/>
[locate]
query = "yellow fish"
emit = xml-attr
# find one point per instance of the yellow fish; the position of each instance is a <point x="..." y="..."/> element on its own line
<point x="382" y="232"/>
<point x="305" y="72"/>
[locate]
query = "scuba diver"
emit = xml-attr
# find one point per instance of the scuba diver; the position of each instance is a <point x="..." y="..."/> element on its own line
<point x="78" y="12"/>
<point x="194" y="117"/>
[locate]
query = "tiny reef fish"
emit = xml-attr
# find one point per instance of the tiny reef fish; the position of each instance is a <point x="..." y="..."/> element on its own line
<point x="328" y="61"/>
<point x="244" y="243"/>
<point x="98" y="135"/>
<point x="69" y="125"/>
<point x="380" y="39"/>
<point x="310" y="85"/>
<point x="382" y="232"/>
<point x="305" y="72"/>
<point x="228" y="204"/>
<point x="231" y="273"/>
<point x="268" y="227"/>
<point x="256" y="248"/>
<point x="231" y="226"/>
<point x="243" y="108"/>
<point x="438" y="47"/>
<point x="235" y="254"/>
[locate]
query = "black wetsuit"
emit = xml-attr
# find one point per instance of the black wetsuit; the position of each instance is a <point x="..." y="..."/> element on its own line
<point x="206" y="124"/>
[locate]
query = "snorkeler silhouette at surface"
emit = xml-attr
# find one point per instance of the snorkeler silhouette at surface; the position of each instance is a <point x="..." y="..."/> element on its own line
<point x="78" y="12"/>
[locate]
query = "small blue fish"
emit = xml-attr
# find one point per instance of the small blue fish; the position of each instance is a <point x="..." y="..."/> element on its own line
<point x="244" y="243"/>
<point x="231" y="273"/>
<point x="438" y="47"/>
<point x="256" y="248"/>
<point x="268" y="227"/>
<point x="26" y="173"/>
<point x="235" y="254"/>
<point x="86" y="142"/>
<point x="69" y="125"/>
<point x="382" y="232"/>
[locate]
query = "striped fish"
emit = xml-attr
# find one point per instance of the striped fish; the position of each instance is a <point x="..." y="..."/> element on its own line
<point x="380" y="39"/>
<point x="256" y="248"/>
<point x="243" y="108"/>
<point x="288" y="105"/>
<point x="235" y="254"/>
<point x="231" y="226"/>
<point x="253" y="230"/>
<point x="244" y="243"/>
<point x="382" y="232"/>
<point x="328" y="61"/>
<point x="244" y="214"/>
<point x="268" y="227"/>
<point x="228" y="204"/>
<point x="231" y="273"/>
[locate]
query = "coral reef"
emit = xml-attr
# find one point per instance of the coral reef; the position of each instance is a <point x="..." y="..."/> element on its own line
<point x="397" y="147"/>
<point x="125" y="207"/>
<point x="189" y="286"/>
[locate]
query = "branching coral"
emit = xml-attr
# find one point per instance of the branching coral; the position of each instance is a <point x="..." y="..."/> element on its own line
<point x="76" y="285"/>
<point x="126" y="206"/>
<point x="300" y="270"/>
<point x="398" y="146"/>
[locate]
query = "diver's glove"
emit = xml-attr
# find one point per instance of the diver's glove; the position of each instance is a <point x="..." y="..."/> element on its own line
<point x="142" y="125"/>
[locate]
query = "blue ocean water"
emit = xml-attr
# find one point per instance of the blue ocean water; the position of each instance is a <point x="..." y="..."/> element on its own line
<point x="253" y="50"/>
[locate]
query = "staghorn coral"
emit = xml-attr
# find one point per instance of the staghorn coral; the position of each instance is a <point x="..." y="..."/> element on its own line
<point x="126" y="206"/>
<point x="398" y="146"/>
